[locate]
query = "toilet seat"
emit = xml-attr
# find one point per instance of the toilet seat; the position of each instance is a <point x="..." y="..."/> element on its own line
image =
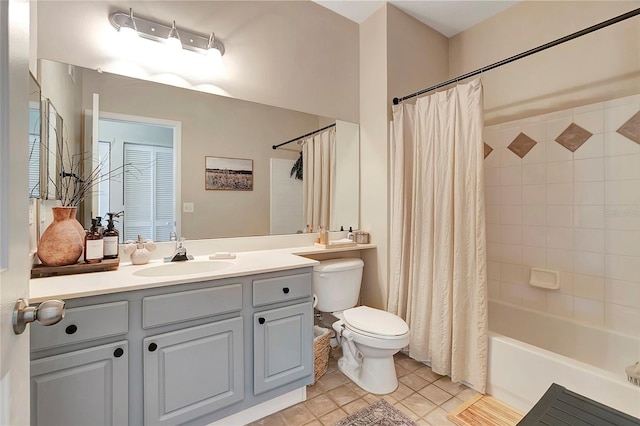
<point x="375" y="323"/>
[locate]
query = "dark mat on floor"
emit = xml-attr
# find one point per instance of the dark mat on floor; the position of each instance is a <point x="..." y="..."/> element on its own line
<point x="561" y="407"/>
<point x="379" y="414"/>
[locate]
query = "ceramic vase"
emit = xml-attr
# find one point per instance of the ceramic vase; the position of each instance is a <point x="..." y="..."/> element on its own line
<point x="61" y="243"/>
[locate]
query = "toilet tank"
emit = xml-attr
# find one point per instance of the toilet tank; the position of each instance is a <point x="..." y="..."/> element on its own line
<point x="336" y="284"/>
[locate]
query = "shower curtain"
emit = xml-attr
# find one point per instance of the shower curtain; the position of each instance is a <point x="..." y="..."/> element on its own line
<point x="319" y="178"/>
<point x="438" y="280"/>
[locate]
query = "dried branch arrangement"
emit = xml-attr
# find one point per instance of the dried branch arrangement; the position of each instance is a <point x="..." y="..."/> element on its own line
<point x="73" y="182"/>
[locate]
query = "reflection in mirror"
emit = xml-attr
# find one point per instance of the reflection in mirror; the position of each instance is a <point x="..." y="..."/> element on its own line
<point x="211" y="126"/>
<point x="35" y="134"/>
<point x="144" y="149"/>
<point x="53" y="151"/>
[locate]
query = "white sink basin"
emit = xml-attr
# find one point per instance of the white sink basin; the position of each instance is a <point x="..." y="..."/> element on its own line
<point x="182" y="268"/>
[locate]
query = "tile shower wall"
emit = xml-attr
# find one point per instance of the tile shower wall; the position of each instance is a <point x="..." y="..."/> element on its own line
<point x="563" y="193"/>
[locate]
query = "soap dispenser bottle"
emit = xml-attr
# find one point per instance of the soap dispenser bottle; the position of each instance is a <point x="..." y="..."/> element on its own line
<point x="350" y="234"/>
<point x="93" y="245"/>
<point x="139" y="252"/>
<point x="99" y="226"/>
<point x="110" y="239"/>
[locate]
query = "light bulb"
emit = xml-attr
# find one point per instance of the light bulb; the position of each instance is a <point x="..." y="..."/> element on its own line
<point x="173" y="40"/>
<point x="127" y="32"/>
<point x="214" y="53"/>
<point x="128" y="28"/>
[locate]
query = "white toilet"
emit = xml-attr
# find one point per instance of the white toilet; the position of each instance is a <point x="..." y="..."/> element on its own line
<point x="369" y="337"/>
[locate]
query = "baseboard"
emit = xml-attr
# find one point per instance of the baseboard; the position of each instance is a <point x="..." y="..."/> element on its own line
<point x="266" y="408"/>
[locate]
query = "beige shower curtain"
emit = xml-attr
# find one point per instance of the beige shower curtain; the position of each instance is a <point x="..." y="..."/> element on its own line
<point x="438" y="280"/>
<point x="319" y="177"/>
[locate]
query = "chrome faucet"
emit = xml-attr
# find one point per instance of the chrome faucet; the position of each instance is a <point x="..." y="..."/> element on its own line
<point x="180" y="252"/>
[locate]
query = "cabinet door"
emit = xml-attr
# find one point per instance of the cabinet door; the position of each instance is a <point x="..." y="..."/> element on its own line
<point x="193" y="372"/>
<point x="283" y="346"/>
<point x="86" y="387"/>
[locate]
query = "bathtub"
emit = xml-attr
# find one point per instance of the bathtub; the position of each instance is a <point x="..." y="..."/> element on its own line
<point x="529" y="350"/>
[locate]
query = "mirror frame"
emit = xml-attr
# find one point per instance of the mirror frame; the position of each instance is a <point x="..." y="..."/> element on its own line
<point x="35" y="89"/>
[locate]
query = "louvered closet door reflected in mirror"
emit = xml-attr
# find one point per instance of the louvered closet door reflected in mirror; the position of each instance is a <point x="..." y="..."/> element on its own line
<point x="140" y="156"/>
<point x="148" y="192"/>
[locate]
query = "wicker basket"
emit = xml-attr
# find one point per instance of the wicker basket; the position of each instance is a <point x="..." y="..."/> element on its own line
<point x="320" y="351"/>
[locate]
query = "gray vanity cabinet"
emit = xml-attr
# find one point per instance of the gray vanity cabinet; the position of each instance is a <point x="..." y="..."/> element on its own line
<point x="83" y="387"/>
<point x="282" y="349"/>
<point x="192" y="372"/>
<point x="186" y="354"/>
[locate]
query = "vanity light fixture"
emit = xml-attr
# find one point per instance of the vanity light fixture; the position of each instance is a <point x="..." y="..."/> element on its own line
<point x="163" y="33"/>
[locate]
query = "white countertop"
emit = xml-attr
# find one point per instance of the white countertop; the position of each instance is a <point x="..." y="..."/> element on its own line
<point x="122" y="279"/>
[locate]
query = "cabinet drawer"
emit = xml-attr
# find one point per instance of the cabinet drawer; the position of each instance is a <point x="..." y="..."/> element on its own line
<point x="82" y="324"/>
<point x="281" y="289"/>
<point x="187" y="305"/>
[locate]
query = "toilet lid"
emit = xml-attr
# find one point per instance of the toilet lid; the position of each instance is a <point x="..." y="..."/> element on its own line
<point x="375" y="321"/>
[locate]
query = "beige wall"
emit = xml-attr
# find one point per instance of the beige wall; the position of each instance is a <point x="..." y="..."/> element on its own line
<point x="599" y="66"/>
<point x="66" y="96"/>
<point x="291" y="54"/>
<point x="373" y="154"/>
<point x="398" y="55"/>
<point x="211" y="126"/>
<point x="417" y="55"/>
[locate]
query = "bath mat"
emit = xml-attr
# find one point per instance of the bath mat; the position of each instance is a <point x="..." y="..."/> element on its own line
<point x="560" y="406"/>
<point x="379" y="414"/>
<point x="484" y="410"/>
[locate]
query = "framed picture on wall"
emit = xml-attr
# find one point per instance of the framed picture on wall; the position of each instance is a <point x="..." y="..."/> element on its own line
<point x="228" y="174"/>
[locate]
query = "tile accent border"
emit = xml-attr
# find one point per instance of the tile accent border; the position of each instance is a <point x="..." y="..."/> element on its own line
<point x="573" y="137"/>
<point x="487" y="150"/>
<point x="521" y="145"/>
<point x="630" y="129"/>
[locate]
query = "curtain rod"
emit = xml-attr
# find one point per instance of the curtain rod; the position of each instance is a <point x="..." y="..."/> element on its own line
<point x="545" y="46"/>
<point x="303" y="136"/>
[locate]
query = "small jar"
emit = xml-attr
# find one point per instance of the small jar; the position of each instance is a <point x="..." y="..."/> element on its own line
<point x="362" y="237"/>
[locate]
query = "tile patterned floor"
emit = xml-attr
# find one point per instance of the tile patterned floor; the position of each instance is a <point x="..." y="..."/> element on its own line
<point x="422" y="395"/>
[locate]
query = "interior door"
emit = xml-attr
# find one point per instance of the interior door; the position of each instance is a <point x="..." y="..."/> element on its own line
<point x="14" y="227"/>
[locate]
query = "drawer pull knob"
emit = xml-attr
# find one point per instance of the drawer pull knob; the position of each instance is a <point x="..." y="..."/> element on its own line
<point x="71" y="329"/>
<point x="261" y="320"/>
<point x="153" y="347"/>
<point x="285" y="290"/>
<point x="118" y="352"/>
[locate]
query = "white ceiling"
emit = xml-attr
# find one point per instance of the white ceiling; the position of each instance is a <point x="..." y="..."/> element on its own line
<point x="448" y="17"/>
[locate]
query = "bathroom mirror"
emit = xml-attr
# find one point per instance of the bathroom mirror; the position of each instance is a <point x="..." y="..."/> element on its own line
<point x="36" y="160"/>
<point x="206" y="125"/>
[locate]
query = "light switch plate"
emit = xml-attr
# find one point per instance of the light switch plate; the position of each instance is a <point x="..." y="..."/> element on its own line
<point x="187" y="207"/>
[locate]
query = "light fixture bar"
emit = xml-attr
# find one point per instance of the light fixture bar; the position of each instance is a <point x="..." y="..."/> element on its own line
<point x="159" y="32"/>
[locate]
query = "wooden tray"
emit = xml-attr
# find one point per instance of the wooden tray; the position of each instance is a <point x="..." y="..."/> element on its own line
<point x="336" y="244"/>
<point x="41" y="271"/>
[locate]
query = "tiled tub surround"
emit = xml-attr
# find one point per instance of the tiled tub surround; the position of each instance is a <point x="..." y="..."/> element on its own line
<point x="571" y="202"/>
